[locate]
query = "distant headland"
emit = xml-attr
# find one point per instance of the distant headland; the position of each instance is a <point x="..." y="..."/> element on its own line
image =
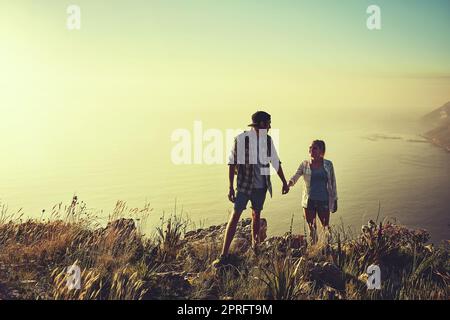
<point x="439" y="119"/>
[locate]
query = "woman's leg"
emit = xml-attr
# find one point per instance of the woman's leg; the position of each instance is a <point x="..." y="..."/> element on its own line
<point x="324" y="218"/>
<point x="310" y="216"/>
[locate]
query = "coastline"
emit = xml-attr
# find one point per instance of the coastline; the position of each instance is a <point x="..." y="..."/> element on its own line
<point x="437" y="142"/>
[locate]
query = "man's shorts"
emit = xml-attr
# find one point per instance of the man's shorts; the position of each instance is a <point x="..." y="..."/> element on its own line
<point x="318" y="206"/>
<point x="256" y="198"/>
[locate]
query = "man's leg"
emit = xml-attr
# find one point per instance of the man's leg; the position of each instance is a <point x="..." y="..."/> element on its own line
<point x="256" y="218"/>
<point x="257" y="199"/>
<point x="230" y="231"/>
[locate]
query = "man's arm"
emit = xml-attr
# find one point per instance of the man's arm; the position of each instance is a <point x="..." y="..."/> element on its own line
<point x="231" y="194"/>
<point x="276" y="163"/>
<point x="280" y="173"/>
<point x="231" y="171"/>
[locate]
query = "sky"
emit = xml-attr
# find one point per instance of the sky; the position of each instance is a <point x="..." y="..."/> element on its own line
<point x="91" y="111"/>
<point x="173" y="54"/>
<point x="134" y="63"/>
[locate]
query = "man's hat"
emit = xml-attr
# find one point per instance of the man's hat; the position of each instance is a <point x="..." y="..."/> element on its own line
<point x="259" y="116"/>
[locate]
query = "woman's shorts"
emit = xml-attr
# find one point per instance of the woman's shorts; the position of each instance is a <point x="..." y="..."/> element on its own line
<point x="318" y="206"/>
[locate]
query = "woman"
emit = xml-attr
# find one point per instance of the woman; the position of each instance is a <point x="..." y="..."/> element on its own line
<point x="319" y="192"/>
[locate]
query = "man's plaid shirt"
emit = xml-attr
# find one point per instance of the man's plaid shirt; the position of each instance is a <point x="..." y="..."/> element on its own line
<point x="244" y="156"/>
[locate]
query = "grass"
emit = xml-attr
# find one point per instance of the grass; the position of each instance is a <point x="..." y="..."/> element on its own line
<point x="117" y="261"/>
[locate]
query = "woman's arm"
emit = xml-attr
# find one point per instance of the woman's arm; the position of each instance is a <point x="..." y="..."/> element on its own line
<point x="296" y="176"/>
<point x="333" y="182"/>
<point x="334" y="188"/>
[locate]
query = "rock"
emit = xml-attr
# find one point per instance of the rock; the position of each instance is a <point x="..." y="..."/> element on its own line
<point x="328" y="274"/>
<point x="296" y="241"/>
<point x="263" y="230"/>
<point x="213" y="236"/>
<point x="243" y="230"/>
<point x="171" y="284"/>
<point x="239" y="246"/>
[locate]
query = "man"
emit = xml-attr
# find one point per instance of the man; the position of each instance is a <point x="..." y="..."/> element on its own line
<point x="250" y="158"/>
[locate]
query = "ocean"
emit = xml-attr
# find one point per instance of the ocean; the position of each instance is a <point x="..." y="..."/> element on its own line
<point x="381" y="167"/>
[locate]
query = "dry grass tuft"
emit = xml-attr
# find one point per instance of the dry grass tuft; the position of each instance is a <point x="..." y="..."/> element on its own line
<point x="117" y="261"/>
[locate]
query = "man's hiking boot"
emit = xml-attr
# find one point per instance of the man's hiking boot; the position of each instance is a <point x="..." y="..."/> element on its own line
<point x="222" y="261"/>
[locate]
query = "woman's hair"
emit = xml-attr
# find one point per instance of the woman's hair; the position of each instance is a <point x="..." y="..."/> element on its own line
<point x="320" y="144"/>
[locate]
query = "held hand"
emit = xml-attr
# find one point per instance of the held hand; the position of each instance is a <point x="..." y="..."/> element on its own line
<point x="231" y="195"/>
<point x="290" y="184"/>
<point x="285" y="189"/>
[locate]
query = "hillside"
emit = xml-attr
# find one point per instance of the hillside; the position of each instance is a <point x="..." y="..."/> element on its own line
<point x="440" y="136"/>
<point x="118" y="262"/>
<point x="439" y="120"/>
